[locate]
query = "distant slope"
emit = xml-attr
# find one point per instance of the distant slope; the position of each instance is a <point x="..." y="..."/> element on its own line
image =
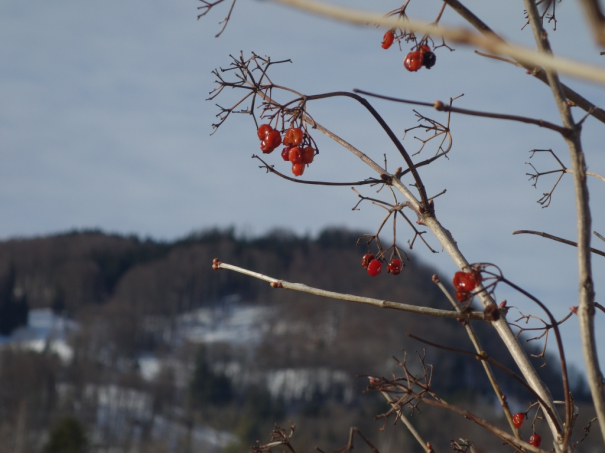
<point x="135" y="279"/>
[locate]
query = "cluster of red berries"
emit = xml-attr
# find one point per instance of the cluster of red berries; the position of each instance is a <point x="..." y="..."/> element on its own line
<point x="374" y="266"/>
<point x="419" y="58"/>
<point x="518" y="419"/>
<point x="464" y="283"/>
<point x="298" y="155"/>
<point x="269" y="137"/>
<point x="413" y="60"/>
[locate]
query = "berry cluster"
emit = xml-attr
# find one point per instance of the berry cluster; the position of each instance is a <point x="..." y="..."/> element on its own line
<point x="294" y="152"/>
<point x="419" y="58"/>
<point x="374" y="266"/>
<point x="464" y="283"/>
<point x="269" y="137"/>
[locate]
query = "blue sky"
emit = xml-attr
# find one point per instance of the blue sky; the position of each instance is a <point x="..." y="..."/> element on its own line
<point x="104" y="123"/>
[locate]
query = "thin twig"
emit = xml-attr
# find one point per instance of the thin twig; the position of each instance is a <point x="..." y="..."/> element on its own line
<point x="564" y="374"/>
<point x="440" y="106"/>
<point x="558" y="239"/>
<point x="276" y="283"/>
<point x="588" y="173"/>
<point x="271" y="169"/>
<point x="487" y="358"/>
<point x="407" y="423"/>
<point x="488" y="370"/>
<point x="488" y="426"/>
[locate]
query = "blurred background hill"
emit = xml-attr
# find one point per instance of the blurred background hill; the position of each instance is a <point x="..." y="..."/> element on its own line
<point x="117" y="343"/>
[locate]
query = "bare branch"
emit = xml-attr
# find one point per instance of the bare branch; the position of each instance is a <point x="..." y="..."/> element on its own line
<point x="275" y="283"/>
<point x="457" y="35"/>
<point x="534" y="70"/>
<point x="558" y="239"/>
<point x="209" y="5"/>
<point x="484" y="357"/>
<point x="401" y="416"/>
<point x="583" y="216"/>
<point x="596" y="19"/>
<point x="440" y="106"/>
<point x="479" y="349"/>
<point x="271" y="169"/>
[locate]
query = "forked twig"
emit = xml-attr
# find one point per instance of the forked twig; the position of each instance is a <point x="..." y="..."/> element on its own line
<point x="209" y="5"/>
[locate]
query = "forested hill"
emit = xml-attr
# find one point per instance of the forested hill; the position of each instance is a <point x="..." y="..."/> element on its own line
<point x="69" y="271"/>
<point x="204" y="349"/>
<point x="136" y="280"/>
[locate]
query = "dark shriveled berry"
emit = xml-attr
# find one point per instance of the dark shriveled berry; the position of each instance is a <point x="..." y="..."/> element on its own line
<point x="429" y="59"/>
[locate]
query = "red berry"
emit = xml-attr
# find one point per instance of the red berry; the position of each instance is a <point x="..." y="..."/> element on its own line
<point x="266" y="147"/>
<point x="424" y="48"/>
<point x="387" y="39"/>
<point x="395" y="266"/>
<point x="293" y="136"/>
<point x="535" y="440"/>
<point x="297" y="136"/>
<point x="413" y="61"/>
<point x="503" y="304"/>
<point x="308" y="154"/>
<point x="263" y="130"/>
<point x="462" y="295"/>
<point x="466" y="281"/>
<point x="274" y="138"/>
<point x="374" y="268"/>
<point x="295" y="155"/>
<point x="288" y="138"/>
<point x="518" y="419"/>
<point x="366" y="259"/>
<point x="298" y="169"/>
<point x="285" y="154"/>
